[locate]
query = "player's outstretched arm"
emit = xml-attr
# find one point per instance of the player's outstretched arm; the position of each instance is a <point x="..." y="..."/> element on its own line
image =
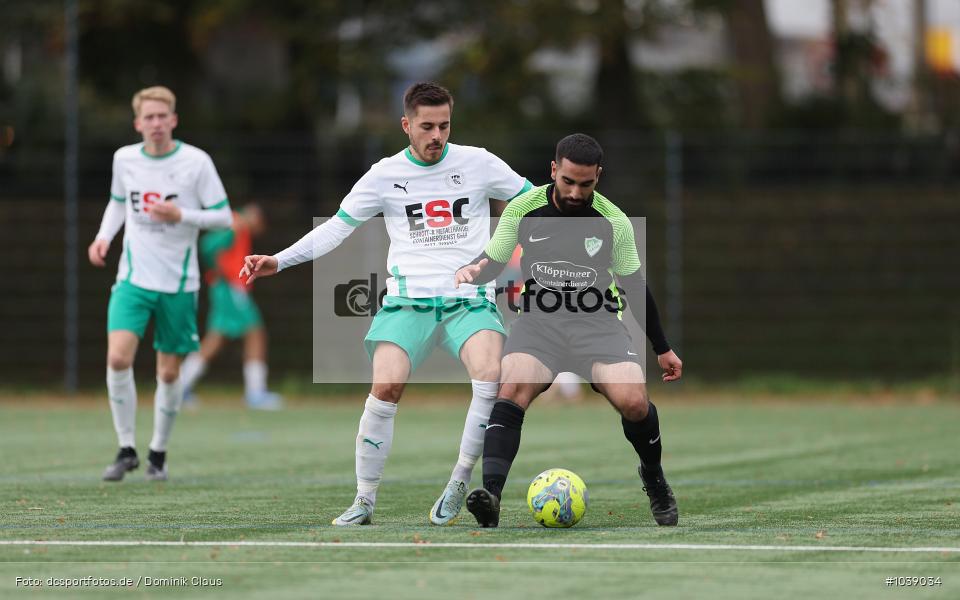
<point x="257" y="266"/>
<point x="317" y="242"/>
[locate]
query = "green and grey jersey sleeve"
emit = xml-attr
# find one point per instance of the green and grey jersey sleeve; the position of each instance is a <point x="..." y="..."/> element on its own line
<point x="624" y="259"/>
<point x="501" y="246"/>
<point x="504" y="240"/>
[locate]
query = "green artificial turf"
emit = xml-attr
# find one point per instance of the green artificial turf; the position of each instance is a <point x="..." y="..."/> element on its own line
<point x="745" y="474"/>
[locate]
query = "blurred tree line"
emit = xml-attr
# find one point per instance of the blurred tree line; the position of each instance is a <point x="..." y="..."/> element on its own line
<point x="789" y="239"/>
<point x="322" y="65"/>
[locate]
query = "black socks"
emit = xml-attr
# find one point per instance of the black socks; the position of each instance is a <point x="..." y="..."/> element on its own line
<point x="500" y="444"/>
<point x="645" y="437"/>
<point x="157" y="459"/>
<point x="502" y="441"/>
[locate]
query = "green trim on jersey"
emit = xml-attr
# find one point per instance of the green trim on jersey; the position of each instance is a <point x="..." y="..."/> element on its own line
<point x="221" y="204"/>
<point x="527" y="186"/>
<point x="143" y="150"/>
<point x="401" y="280"/>
<point x="117" y="198"/>
<point x="623" y="258"/>
<point x="615" y="293"/>
<point x="348" y="219"/>
<point x="186" y="266"/>
<point x="129" y="261"/>
<point x="419" y="162"/>
<point x="501" y="245"/>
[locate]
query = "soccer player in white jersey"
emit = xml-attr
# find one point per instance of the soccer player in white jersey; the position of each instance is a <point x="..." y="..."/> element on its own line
<point x="163" y="192"/>
<point x="426" y="193"/>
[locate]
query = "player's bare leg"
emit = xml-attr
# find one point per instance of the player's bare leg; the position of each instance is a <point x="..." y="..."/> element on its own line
<point x="480" y="354"/>
<point x="622" y="385"/>
<point x="391" y="368"/>
<point x="210" y="345"/>
<point x="121" y="350"/>
<point x="523" y="377"/>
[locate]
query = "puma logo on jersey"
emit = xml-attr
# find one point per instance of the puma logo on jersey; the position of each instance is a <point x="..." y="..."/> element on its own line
<point x="403" y="187"/>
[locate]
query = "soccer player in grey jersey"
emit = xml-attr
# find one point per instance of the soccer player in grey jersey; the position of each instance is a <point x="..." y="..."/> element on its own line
<point x="574" y="241"/>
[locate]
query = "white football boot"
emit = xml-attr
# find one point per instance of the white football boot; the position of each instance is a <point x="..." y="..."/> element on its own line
<point x="360" y="513"/>
<point x="447" y="507"/>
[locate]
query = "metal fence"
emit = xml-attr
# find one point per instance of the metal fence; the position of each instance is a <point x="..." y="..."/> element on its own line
<point x="827" y="255"/>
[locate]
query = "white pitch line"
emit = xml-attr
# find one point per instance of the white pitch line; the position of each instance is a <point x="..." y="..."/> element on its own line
<point x="481" y="546"/>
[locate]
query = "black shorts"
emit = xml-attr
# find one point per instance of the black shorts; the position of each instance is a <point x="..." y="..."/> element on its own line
<point x="572" y="344"/>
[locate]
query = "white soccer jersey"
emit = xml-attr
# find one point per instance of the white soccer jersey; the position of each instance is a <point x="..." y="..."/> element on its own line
<point x="163" y="256"/>
<point x="437" y="215"/>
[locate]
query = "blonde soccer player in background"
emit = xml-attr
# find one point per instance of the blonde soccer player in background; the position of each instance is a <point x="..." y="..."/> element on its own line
<point x="163" y="192"/>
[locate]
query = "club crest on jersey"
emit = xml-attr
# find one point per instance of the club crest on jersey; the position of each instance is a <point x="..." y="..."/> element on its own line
<point x="454" y="179"/>
<point x="592" y="246"/>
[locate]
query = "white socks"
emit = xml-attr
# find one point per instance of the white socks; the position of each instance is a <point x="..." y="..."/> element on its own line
<point x="123" y="404"/>
<point x="254" y="377"/>
<point x="471" y="444"/>
<point x="166" y="405"/>
<point x="192" y="369"/>
<point x="374" y="440"/>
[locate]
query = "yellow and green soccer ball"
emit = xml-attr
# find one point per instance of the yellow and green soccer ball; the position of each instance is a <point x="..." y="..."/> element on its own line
<point x="557" y="498"/>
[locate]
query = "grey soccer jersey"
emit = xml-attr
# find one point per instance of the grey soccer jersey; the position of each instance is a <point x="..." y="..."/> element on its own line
<point x="564" y="256"/>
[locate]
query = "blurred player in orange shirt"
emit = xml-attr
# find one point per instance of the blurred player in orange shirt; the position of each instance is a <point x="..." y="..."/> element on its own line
<point x="233" y="313"/>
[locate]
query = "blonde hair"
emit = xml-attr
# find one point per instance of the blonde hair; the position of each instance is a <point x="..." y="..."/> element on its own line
<point x="157" y="92"/>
